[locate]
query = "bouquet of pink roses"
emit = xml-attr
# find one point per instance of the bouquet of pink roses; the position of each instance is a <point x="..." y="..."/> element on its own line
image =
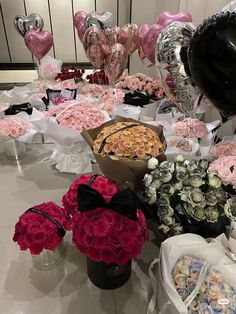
<point x="225" y="148"/>
<point x="225" y="168"/>
<point x="77" y="115"/>
<point x="13" y="127"/>
<point x="41" y="228"/>
<point x="142" y="83"/>
<point x="63" y="124"/>
<point x="94" y="90"/>
<point x="110" y="98"/>
<point x="192" y="128"/>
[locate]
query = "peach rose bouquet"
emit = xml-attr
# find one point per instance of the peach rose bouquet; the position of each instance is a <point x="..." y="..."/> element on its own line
<point x="123" y="146"/>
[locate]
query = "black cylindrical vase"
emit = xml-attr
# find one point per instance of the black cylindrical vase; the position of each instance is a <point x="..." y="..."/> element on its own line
<point x="108" y="276"/>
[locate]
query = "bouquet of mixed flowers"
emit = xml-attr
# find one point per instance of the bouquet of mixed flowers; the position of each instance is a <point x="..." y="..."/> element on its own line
<point x="142" y="83"/>
<point x="187" y="196"/>
<point x="42" y="227"/>
<point x="108" y="227"/>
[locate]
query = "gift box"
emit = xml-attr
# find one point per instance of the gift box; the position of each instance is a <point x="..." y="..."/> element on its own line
<point x="123" y="169"/>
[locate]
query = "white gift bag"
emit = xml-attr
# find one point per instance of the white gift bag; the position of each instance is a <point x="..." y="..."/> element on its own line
<point x="165" y="294"/>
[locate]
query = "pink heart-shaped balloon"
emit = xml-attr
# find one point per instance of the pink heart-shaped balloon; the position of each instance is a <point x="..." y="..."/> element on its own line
<point x="38" y="42"/>
<point x="128" y="37"/>
<point x="79" y="19"/>
<point x="147" y="37"/>
<point x="166" y="18"/>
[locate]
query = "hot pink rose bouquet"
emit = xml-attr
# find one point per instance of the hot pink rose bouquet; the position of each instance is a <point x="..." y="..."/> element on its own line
<point x="103" y="185"/>
<point x="104" y="235"/>
<point x="77" y="115"/>
<point x="41" y="227"/>
<point x="225" y="148"/>
<point x="225" y="168"/>
<point x="106" y="224"/>
<point x="192" y="128"/>
<point x="13" y="127"/>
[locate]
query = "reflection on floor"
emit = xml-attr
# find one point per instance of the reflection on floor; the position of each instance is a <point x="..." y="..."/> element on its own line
<point x="65" y="290"/>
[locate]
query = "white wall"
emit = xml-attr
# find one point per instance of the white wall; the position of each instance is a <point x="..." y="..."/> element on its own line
<point x="58" y="19"/>
<point x="146" y="12"/>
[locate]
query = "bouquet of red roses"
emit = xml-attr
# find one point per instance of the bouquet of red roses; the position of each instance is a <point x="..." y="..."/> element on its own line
<point x="41" y="227"/>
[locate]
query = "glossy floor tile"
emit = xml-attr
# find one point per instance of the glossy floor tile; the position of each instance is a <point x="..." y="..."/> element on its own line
<point x="66" y="289"/>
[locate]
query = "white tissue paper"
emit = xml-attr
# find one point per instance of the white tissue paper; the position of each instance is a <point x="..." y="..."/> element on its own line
<point x="19" y="94"/>
<point x="71" y="153"/>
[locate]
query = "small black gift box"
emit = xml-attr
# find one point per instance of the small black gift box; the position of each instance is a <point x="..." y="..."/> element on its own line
<point x="108" y="276"/>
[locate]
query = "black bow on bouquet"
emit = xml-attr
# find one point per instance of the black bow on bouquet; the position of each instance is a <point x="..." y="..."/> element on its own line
<point x="124" y="202"/>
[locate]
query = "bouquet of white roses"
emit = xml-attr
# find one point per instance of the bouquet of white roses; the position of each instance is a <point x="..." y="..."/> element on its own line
<point x="186" y="197"/>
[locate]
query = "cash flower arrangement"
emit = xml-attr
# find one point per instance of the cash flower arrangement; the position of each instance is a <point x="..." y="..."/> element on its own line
<point x="185" y="194"/>
<point x="13" y="127"/>
<point x="186" y="274"/>
<point x="107" y="227"/>
<point x="128" y="140"/>
<point x="77" y="115"/>
<point x="41" y="228"/>
<point x="140" y="82"/>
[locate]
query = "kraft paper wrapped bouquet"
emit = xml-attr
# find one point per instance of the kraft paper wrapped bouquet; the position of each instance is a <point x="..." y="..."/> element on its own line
<point x="122" y="148"/>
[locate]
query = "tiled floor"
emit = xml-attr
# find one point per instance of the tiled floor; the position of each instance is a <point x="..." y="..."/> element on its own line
<point x="65" y="290"/>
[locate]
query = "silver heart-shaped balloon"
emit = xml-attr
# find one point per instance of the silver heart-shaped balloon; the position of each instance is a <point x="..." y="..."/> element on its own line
<point x="24" y="23"/>
<point x="102" y="21"/>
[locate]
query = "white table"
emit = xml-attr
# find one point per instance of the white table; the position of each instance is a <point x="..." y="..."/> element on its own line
<point x="65" y="290"/>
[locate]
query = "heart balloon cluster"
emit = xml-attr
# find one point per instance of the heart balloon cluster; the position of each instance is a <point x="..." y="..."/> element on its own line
<point x="193" y="59"/>
<point x="105" y="44"/>
<point x="30" y="27"/>
<point x="148" y="34"/>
